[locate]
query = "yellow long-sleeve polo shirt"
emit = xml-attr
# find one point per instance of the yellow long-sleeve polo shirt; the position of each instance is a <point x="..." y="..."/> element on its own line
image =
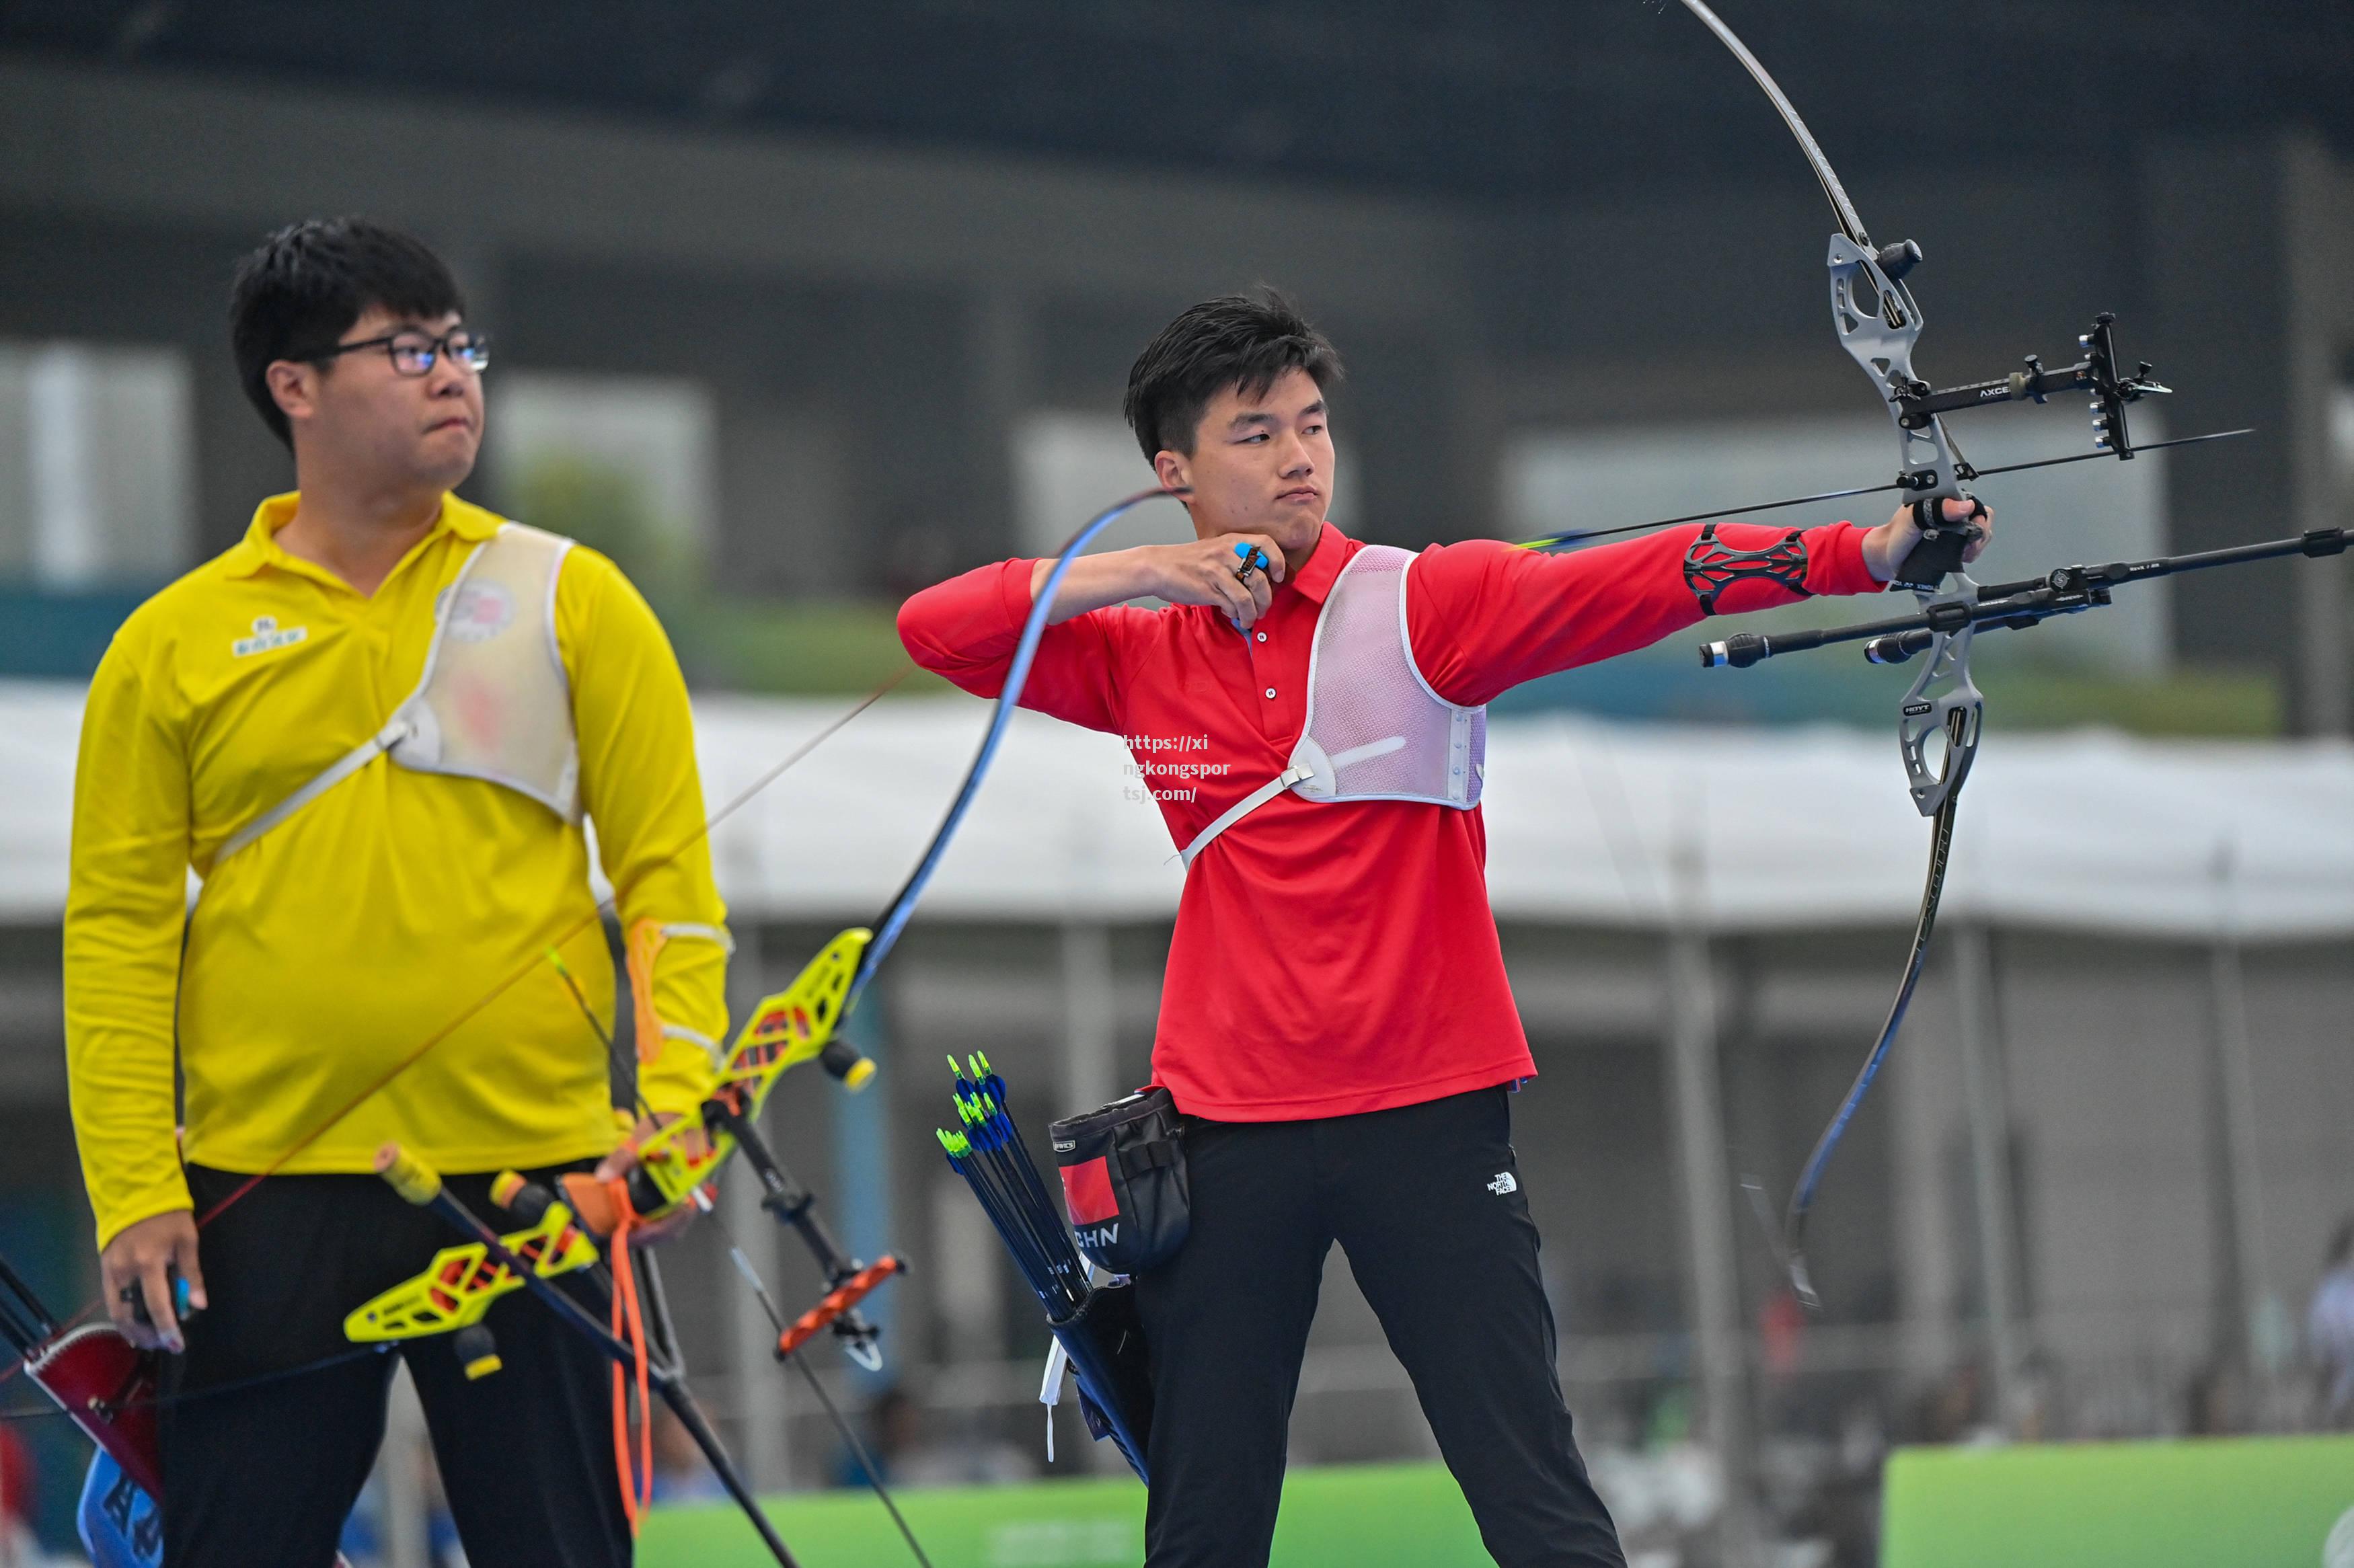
<point x="385" y="912"/>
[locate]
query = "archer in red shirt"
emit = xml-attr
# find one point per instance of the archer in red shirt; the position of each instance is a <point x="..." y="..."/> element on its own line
<point x="1373" y="977"/>
<point x="1336" y="1023"/>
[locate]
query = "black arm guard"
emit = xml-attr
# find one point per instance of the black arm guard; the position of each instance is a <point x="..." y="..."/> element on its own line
<point x="1711" y="565"/>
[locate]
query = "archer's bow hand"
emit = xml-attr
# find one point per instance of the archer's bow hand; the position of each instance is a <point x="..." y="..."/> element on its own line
<point x="1885" y="547"/>
<point x="622" y="1163"/>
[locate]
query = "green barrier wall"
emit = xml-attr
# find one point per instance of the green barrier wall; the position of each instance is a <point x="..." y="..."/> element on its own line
<point x="2235" y="1502"/>
<point x="2255" y="1503"/>
<point x="1370" y="1516"/>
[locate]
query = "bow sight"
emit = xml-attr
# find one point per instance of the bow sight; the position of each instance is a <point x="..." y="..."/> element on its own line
<point x="2095" y="375"/>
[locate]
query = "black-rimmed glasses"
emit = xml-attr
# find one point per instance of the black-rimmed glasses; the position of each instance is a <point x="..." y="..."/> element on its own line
<point x="415" y="353"/>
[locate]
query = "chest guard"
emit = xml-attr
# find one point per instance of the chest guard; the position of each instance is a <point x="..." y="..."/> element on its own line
<point x="494" y="702"/>
<point x="1375" y="730"/>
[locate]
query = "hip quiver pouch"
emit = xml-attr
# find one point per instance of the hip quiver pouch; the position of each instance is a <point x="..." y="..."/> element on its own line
<point x="1123" y="1171"/>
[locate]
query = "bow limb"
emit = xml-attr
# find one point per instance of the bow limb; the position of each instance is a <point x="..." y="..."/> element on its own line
<point x="1851" y="224"/>
<point x="804" y="1020"/>
<point x="902" y="907"/>
<point x="1878" y="322"/>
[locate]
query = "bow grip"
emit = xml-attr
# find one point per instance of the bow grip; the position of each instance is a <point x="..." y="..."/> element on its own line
<point x="1938" y="553"/>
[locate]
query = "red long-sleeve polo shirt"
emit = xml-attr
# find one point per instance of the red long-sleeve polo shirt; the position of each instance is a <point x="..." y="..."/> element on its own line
<point x="1333" y="959"/>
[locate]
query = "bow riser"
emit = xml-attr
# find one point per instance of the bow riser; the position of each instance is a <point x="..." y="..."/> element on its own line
<point x="792" y="1026"/>
<point x="1879" y="333"/>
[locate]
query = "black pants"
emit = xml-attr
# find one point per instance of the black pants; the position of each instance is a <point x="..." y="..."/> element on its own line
<point x="1425" y="1200"/>
<point x="263" y="1476"/>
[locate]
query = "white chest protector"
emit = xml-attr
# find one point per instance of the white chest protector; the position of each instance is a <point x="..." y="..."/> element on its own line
<point x="1375" y="730"/>
<point x="494" y="702"/>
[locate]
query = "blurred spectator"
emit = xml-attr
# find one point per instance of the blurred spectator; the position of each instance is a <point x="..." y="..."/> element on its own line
<point x="1954" y="1410"/>
<point x="1781" y="1332"/>
<point x="16" y="1491"/>
<point x="680" y="1474"/>
<point x="2330" y="1328"/>
<point x="2218" y="1402"/>
<point x="910" y="1454"/>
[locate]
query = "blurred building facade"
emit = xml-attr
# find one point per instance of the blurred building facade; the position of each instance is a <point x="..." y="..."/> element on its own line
<point x="854" y="345"/>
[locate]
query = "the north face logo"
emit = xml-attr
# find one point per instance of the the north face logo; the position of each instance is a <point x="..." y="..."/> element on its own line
<point x="1504" y="1182"/>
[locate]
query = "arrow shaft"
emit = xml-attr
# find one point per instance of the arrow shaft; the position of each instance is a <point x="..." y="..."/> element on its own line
<point x="1578" y="535"/>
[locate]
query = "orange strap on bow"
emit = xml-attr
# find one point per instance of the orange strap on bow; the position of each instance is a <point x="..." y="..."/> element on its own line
<point x="637" y="1479"/>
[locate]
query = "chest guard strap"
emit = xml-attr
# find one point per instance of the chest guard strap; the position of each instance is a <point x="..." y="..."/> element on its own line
<point x="494" y="702"/>
<point x="1375" y="730"/>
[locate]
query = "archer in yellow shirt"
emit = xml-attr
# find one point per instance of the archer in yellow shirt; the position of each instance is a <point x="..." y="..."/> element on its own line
<point x="320" y="955"/>
<point x="377" y="730"/>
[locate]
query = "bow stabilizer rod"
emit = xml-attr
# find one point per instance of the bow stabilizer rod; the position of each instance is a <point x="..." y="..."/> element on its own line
<point x="2012" y="607"/>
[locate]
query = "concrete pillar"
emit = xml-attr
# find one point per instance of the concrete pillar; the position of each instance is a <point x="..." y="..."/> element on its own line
<point x="68" y="543"/>
<point x="237" y="460"/>
<point x="1090" y="1018"/>
<point x="1705" y="1188"/>
<point x="2248" y="1330"/>
<point x="1001" y="379"/>
<point x="1475" y="419"/>
<point x="2250" y="328"/>
<point x="2317" y="256"/>
<point x="1987" y="1099"/>
<point x="1928" y="1097"/>
<point x="861" y="1198"/>
<point x="474" y="261"/>
<point x="763" y="1441"/>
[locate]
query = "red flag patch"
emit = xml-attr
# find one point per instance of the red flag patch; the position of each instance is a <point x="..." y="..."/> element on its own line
<point x="1086" y="1192"/>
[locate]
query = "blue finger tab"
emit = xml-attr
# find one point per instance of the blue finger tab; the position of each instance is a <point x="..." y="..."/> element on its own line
<point x="1253" y="559"/>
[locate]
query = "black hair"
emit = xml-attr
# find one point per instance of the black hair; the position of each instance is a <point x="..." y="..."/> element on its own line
<point x="1245" y="341"/>
<point x="311" y="280"/>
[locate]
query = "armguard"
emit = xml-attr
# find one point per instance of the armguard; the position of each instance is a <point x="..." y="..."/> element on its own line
<point x="1711" y="565"/>
<point x="647" y="940"/>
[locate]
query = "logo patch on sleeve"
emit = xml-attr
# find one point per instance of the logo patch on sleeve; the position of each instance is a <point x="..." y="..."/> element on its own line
<point x="1505" y="1181"/>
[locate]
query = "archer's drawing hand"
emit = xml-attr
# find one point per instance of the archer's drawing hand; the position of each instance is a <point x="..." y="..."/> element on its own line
<point x="144" y="1256"/>
<point x="1885" y="547"/>
<point x="1207" y="571"/>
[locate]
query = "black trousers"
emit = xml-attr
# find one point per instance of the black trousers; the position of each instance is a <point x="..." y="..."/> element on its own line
<point x="262" y="1475"/>
<point x="1426" y="1200"/>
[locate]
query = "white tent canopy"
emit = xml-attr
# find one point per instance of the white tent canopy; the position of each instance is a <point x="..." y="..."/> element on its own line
<point x="1588" y="822"/>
